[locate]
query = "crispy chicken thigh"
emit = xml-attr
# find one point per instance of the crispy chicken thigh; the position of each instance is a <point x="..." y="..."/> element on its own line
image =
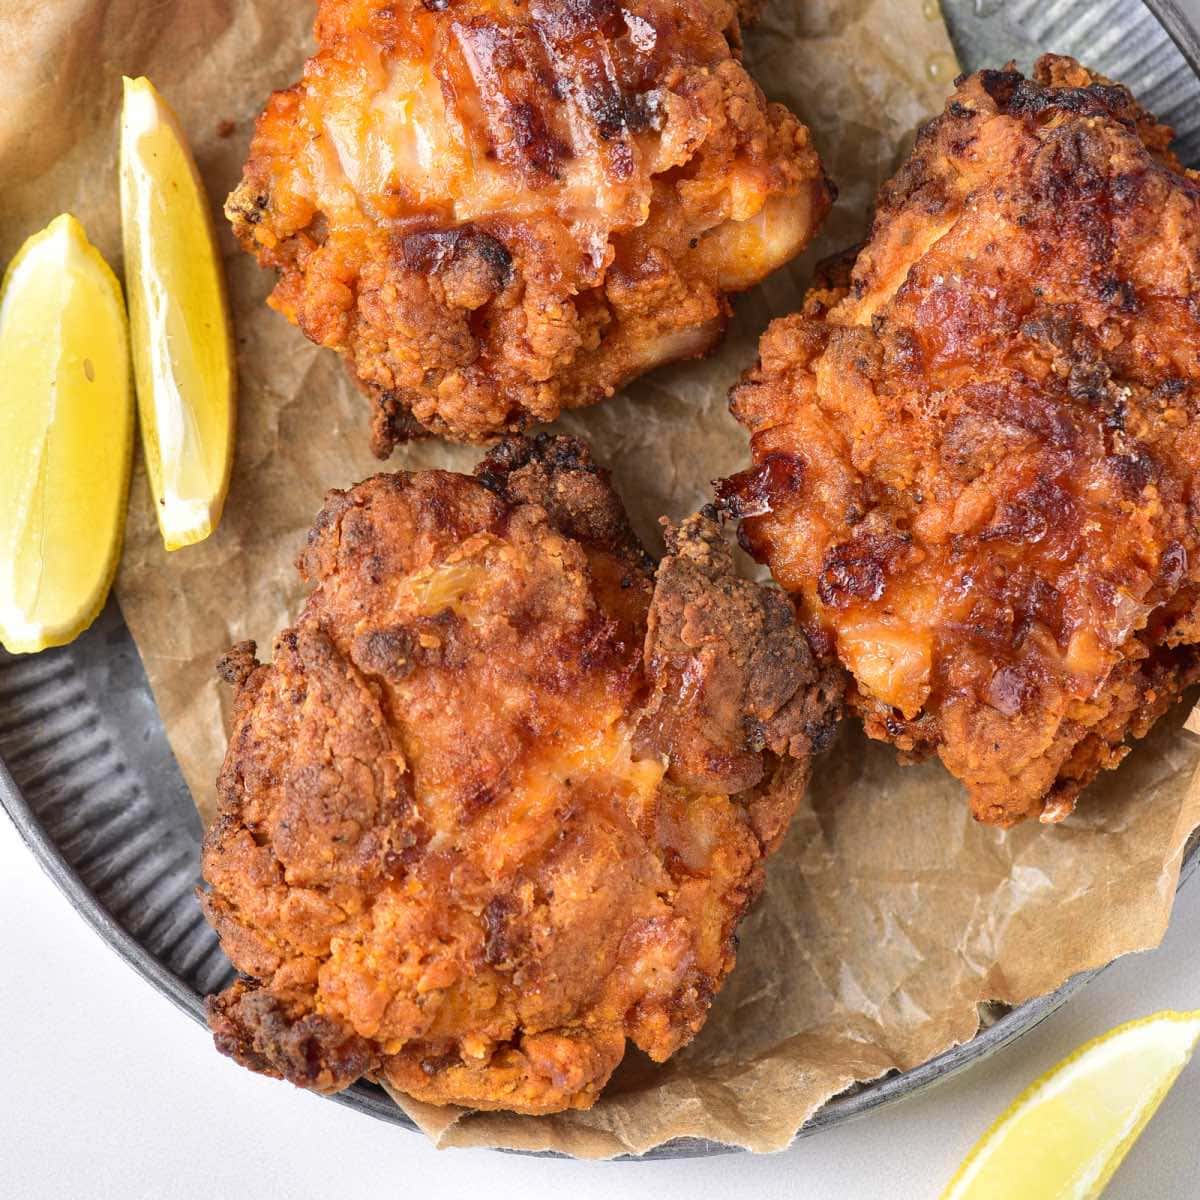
<point x="498" y="210"/>
<point x="473" y="833"/>
<point x="977" y="447"/>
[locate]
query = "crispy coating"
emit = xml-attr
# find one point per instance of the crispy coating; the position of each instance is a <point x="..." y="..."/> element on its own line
<point x="498" y="210"/>
<point x="463" y="843"/>
<point x="976" y="448"/>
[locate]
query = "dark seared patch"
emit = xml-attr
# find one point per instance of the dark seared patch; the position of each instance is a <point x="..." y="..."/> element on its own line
<point x="560" y="474"/>
<point x="577" y="31"/>
<point x="501" y="943"/>
<point x="1044" y="506"/>
<point x="1120" y="291"/>
<point x="253" y="1027"/>
<point x="436" y="1064"/>
<point x="1053" y="424"/>
<point x="1053" y="326"/>
<point x="387" y="652"/>
<point x="1133" y="471"/>
<point x="394" y="423"/>
<point x="539" y="147"/>
<point x="617" y="113"/>
<point x="556" y="455"/>
<point x="762" y="488"/>
<point x="337" y="503"/>
<point x="854" y="571"/>
<point x="434" y="250"/>
<point x="515" y="88"/>
<point x="1089" y="382"/>
<point x="1173" y="566"/>
<point x="1000" y="85"/>
<point x="1034" y="601"/>
<point x="1170" y="389"/>
<point x="1017" y="523"/>
<point x="1018" y="96"/>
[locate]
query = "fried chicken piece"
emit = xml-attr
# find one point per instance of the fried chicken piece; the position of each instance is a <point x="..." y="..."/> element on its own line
<point x="977" y="447"/>
<point x="498" y="210"/>
<point x="471" y="837"/>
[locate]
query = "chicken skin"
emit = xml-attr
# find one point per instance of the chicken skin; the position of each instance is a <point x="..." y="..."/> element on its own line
<point x="976" y="448"/>
<point x="497" y="210"/>
<point x="473" y="835"/>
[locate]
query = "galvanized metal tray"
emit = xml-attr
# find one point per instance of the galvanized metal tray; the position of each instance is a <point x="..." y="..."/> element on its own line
<point x="89" y="780"/>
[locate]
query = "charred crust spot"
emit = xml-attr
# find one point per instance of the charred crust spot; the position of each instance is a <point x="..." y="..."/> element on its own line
<point x="255" y="213"/>
<point x="1022" y="523"/>
<point x="853" y="571"/>
<point x="608" y="109"/>
<point x="500" y="945"/>
<point x="541" y="150"/>
<point x="1134" y="471"/>
<point x="1173" y="567"/>
<point x="386" y="652"/>
<point x="1046" y="505"/>
<point x="554" y="454"/>
<point x="761" y="489"/>
<point x="560" y="474"/>
<point x="1169" y="389"/>
<point x="393" y="423"/>
<point x="617" y="113"/>
<point x="999" y="85"/>
<point x="1089" y="382"/>
<point x="1122" y="291"/>
<point x="435" y="250"/>
<point x="1017" y="96"/>
<point x="394" y="652"/>
<point x="255" y="1028"/>
<point x="821" y="733"/>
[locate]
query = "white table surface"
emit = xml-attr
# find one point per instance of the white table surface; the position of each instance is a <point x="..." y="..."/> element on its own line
<point x="109" y="1091"/>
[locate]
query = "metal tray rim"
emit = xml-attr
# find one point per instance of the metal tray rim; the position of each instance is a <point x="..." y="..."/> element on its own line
<point x="372" y="1101"/>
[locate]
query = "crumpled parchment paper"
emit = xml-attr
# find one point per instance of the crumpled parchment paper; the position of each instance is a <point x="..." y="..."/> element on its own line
<point x="889" y="915"/>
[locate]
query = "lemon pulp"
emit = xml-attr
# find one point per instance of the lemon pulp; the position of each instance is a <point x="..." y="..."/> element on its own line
<point x="179" y="322"/>
<point x="66" y="437"/>
<point x="1065" y="1136"/>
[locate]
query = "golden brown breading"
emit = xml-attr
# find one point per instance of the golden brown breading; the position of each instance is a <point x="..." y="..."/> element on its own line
<point x="456" y="849"/>
<point x="498" y="210"/>
<point x="976" y="452"/>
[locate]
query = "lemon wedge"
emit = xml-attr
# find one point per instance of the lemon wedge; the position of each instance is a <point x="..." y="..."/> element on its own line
<point x="1066" y="1135"/>
<point x="66" y="437"/>
<point x="179" y="320"/>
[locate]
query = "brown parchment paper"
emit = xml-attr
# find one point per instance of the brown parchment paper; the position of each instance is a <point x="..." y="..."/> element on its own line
<point x="889" y="915"/>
